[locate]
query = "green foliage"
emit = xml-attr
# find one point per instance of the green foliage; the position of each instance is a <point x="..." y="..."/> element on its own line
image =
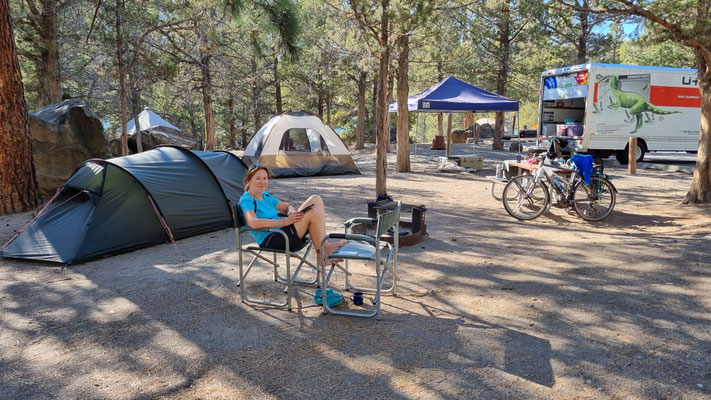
<point x="252" y="44"/>
<point x="646" y="51"/>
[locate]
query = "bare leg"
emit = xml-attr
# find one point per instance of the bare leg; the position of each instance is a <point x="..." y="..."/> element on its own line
<point x="314" y="223"/>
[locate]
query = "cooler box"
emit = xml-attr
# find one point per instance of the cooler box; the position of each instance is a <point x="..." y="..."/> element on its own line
<point x="473" y="162"/>
<point x="561" y="130"/>
<point x="548" y="130"/>
<point x="575" y="129"/>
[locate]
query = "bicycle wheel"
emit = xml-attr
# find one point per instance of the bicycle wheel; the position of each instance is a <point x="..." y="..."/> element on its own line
<point x="596" y="201"/>
<point x="524" y="198"/>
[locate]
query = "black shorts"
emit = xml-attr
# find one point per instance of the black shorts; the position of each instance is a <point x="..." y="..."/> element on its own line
<point x="275" y="240"/>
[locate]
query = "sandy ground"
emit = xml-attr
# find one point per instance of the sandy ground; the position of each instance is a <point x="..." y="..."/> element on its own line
<point x="489" y="307"/>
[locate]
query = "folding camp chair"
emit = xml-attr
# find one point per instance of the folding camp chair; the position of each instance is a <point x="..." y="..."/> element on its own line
<point x="367" y="248"/>
<point x="257" y="253"/>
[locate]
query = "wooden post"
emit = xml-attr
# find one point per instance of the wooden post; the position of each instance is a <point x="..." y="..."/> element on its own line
<point x="449" y="134"/>
<point x="632" y="155"/>
<point x="476" y="134"/>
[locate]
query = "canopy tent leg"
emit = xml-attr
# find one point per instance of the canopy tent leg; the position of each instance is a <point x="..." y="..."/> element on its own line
<point x="516" y="123"/>
<point x="449" y="134"/>
<point x="417" y="129"/>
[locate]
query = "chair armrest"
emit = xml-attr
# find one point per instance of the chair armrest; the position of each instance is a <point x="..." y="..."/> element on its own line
<point x="360" y="220"/>
<point x="350" y="236"/>
<point x="247" y="228"/>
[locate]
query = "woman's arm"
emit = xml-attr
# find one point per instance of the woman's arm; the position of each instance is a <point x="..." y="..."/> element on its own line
<point x="285" y="208"/>
<point x="255" y="222"/>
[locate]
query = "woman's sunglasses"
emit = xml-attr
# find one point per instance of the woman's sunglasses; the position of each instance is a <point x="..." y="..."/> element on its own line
<point x="257" y="165"/>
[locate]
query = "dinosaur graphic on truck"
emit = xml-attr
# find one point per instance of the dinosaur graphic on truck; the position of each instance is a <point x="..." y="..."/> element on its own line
<point x="634" y="102"/>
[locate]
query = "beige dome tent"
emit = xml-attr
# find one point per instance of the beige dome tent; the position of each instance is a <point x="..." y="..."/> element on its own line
<point x="298" y="143"/>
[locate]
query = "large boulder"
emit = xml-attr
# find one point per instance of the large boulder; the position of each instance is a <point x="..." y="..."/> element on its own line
<point x="64" y="135"/>
<point x="154" y="137"/>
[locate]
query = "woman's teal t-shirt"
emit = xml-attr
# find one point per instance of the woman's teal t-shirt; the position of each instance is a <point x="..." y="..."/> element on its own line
<point x="266" y="209"/>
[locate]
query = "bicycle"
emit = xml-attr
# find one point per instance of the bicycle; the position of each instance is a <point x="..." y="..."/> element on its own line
<point x="526" y="197"/>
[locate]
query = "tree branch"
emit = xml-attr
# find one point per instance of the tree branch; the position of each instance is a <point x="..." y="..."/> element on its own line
<point x="633" y="9"/>
<point x="188" y="57"/>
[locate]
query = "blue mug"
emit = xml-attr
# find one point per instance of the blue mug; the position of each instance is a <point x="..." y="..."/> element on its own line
<point x="358" y="298"/>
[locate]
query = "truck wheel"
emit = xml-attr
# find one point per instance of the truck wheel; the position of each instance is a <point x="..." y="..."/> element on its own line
<point x="622" y="156"/>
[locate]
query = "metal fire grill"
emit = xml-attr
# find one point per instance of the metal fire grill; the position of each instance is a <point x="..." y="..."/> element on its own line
<point x="410" y="232"/>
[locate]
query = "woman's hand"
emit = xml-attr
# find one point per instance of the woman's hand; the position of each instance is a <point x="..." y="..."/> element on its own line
<point x="294" y="216"/>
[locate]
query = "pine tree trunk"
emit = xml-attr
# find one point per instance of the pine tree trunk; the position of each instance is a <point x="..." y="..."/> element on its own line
<point x="328" y="107"/>
<point x="277" y="87"/>
<point x="403" y="116"/>
<point x="388" y="123"/>
<point x="122" y="79"/>
<point x="207" y="102"/>
<point x="700" y="189"/>
<point x="503" y="73"/>
<point x="255" y="97"/>
<point x="584" y="34"/>
<point x="18" y="181"/>
<point x="319" y="101"/>
<point x="49" y="88"/>
<point x="136" y="109"/>
<point x="382" y="131"/>
<point x="231" y="107"/>
<point x="375" y="108"/>
<point x="360" y="129"/>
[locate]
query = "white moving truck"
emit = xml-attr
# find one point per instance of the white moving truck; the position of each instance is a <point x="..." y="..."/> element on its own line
<point x="598" y="107"/>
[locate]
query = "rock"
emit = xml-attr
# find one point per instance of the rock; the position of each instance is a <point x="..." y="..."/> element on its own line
<point x="64" y="135"/>
<point x="460" y="136"/>
<point x="154" y="137"/>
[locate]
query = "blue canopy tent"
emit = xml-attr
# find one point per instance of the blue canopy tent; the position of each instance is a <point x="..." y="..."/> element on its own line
<point x="452" y="95"/>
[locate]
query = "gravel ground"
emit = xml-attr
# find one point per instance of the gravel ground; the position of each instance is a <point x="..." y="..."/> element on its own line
<point x="489" y="307"/>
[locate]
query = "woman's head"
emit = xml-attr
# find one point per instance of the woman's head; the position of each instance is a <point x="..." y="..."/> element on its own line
<point x="257" y="177"/>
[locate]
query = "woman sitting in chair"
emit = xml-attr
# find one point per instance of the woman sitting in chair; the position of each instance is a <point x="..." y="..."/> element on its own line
<point x="261" y="210"/>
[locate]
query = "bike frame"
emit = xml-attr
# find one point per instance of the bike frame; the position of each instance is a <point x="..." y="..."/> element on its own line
<point x="548" y="172"/>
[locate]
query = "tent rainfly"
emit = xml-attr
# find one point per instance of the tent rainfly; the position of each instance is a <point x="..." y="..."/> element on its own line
<point x="110" y="206"/>
<point x="150" y="120"/>
<point x="298" y="143"/>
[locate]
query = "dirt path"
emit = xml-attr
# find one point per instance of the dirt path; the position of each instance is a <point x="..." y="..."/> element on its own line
<point x="490" y="307"/>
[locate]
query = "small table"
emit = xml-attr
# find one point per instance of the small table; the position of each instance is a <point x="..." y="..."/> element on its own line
<point x="520" y="166"/>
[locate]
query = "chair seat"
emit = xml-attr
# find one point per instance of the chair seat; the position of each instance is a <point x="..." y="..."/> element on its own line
<point x="257" y="248"/>
<point x="355" y="250"/>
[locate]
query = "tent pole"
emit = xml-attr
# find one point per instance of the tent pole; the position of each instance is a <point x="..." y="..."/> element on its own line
<point x="417" y="129"/>
<point x="449" y="134"/>
<point x="517" y="123"/>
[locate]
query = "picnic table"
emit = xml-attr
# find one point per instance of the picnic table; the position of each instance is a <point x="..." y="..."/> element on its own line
<point x="515" y="168"/>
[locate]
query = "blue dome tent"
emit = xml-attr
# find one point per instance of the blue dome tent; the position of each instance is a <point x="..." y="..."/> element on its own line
<point x="123" y="203"/>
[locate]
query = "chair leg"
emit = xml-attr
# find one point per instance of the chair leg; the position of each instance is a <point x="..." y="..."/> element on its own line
<point x="243" y="275"/>
<point x="249" y="268"/>
<point x="304" y="260"/>
<point x="378" y="284"/>
<point x="288" y="281"/>
<point x="276" y="273"/>
<point x="326" y="308"/>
